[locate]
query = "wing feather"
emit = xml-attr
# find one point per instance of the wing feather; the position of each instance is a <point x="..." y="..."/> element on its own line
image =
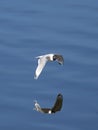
<point x="41" y="63"/>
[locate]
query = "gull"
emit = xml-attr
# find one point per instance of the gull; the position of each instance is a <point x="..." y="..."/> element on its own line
<point x="56" y="107"/>
<point x="42" y="60"/>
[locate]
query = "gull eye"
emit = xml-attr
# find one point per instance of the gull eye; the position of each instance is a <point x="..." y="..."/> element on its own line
<point x="54" y="58"/>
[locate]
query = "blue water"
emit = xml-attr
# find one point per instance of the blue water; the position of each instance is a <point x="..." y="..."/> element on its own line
<point x="29" y="28"/>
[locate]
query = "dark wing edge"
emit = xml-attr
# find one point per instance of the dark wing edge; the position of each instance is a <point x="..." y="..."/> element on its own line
<point x="58" y="104"/>
<point x="61" y="59"/>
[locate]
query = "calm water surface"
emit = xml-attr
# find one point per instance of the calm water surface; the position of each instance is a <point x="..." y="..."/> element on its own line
<point x="29" y="28"/>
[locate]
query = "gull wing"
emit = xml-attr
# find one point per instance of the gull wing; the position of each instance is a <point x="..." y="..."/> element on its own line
<point x="41" y="63"/>
<point x="37" y="107"/>
<point x="58" y="104"/>
<point x="59" y="58"/>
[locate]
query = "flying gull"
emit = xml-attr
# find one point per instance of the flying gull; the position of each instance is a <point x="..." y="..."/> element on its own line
<point x="42" y="60"/>
<point x="56" y="107"/>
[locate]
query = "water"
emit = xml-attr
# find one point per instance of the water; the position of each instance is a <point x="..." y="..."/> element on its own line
<point x="29" y="28"/>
